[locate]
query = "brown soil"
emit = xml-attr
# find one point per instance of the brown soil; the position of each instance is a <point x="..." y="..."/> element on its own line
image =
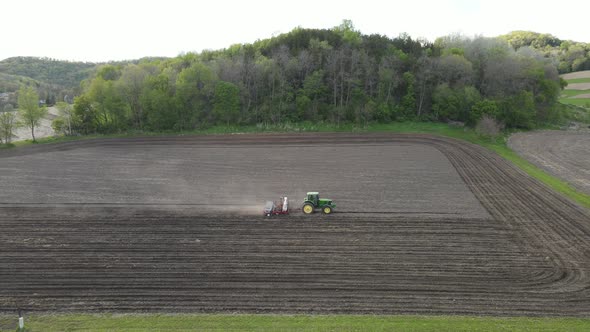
<point x="578" y="86"/>
<point x="43" y="130"/>
<point x="578" y="74"/>
<point x="565" y="154"/>
<point x="582" y="96"/>
<point x="527" y="255"/>
<point x="405" y="178"/>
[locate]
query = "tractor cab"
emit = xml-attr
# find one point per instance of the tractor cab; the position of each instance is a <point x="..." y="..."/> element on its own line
<point x="312" y="202"/>
<point x="313" y="197"/>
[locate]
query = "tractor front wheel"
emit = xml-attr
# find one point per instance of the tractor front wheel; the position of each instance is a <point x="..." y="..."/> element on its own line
<point x="307" y="208"/>
<point x="327" y="210"/>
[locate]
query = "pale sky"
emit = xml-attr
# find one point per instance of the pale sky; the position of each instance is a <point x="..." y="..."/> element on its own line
<point x="103" y="30"/>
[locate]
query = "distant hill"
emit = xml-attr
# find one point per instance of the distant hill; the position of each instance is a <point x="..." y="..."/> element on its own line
<point x="54" y="79"/>
<point x="568" y="56"/>
<point x="55" y="72"/>
<point x="10" y="83"/>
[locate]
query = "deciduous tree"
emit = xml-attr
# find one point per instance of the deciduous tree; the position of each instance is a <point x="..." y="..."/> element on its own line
<point x="66" y="113"/>
<point x="28" y="108"/>
<point x="226" y="103"/>
<point x="8" y="124"/>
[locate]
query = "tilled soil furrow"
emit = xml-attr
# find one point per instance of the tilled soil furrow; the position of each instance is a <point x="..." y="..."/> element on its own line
<point x="530" y="258"/>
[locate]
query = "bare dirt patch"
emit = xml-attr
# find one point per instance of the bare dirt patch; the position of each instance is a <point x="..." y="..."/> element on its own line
<point x="578" y="86"/>
<point x="43" y="130"/>
<point x="528" y="256"/>
<point x="581" y="96"/>
<point x="578" y="74"/>
<point x="404" y="178"/>
<point x="565" y="154"/>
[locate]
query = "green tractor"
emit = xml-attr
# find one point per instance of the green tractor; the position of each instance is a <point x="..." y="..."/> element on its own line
<point x="312" y="202"/>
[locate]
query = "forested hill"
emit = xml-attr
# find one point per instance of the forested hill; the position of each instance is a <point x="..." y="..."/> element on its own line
<point x="568" y="55"/>
<point x="336" y="75"/>
<point x="63" y="73"/>
<point x="333" y="75"/>
<point x="52" y="78"/>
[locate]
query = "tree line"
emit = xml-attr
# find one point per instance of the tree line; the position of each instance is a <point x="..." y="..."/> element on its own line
<point x="333" y="75"/>
<point x="567" y="55"/>
<point x="55" y="80"/>
<point x="67" y="74"/>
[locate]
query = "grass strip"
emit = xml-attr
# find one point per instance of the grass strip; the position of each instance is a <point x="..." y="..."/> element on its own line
<point x="265" y="322"/>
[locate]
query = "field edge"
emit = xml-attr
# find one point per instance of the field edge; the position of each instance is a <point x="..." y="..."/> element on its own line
<point x="498" y="145"/>
<point x="269" y="322"/>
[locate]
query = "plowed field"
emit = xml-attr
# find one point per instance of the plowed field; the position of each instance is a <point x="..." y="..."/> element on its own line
<point x="423" y="225"/>
<point x="565" y="154"/>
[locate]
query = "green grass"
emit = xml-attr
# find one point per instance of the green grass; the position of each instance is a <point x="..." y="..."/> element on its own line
<point x="566" y="96"/>
<point x="571" y="93"/>
<point x="583" y="102"/>
<point x="574" y="113"/>
<point x="579" y="80"/>
<point x="230" y="322"/>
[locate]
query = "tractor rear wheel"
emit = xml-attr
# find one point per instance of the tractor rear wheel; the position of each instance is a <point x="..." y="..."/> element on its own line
<point x="307" y="208"/>
<point x="327" y="210"/>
